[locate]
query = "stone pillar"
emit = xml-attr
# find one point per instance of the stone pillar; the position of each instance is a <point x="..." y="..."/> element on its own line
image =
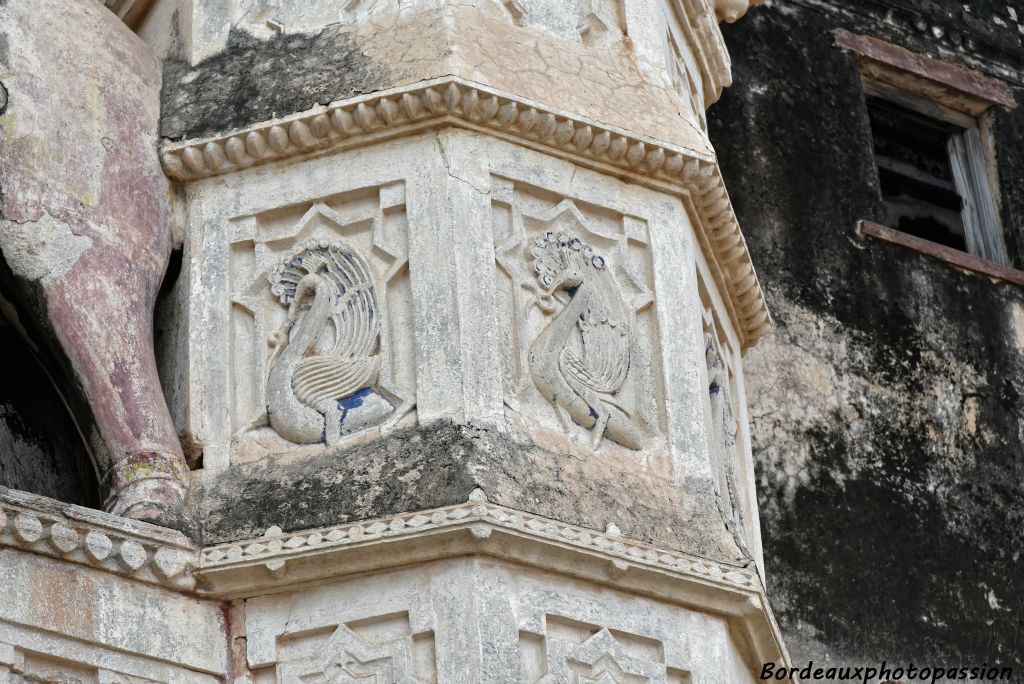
<point x="467" y="304"/>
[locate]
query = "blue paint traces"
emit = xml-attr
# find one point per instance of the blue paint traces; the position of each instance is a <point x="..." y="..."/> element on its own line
<point x="352" y="401"/>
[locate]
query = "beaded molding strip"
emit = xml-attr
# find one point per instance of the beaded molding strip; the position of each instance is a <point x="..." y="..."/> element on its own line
<point x="274" y="549"/>
<point x="453" y="101"/>
<point x="80" y="535"/>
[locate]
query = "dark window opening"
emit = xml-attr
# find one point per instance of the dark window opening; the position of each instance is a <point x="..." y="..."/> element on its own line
<point x="934" y="180"/>
<point x="915" y="173"/>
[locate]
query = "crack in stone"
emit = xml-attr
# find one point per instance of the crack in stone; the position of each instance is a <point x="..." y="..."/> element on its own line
<point x="448" y="169"/>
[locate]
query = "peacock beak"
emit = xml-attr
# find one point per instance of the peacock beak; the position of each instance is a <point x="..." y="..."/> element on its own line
<point x="556" y="283"/>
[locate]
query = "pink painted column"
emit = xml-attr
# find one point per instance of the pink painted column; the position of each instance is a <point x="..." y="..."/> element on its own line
<point x="85" y="222"/>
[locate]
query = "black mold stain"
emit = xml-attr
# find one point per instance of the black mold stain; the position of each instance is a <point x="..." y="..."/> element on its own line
<point x="253" y="81"/>
<point x="902" y="540"/>
<point x="421" y="468"/>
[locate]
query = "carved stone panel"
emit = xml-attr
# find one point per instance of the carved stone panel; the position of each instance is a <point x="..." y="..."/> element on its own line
<point x="574" y="652"/>
<point x="381" y="650"/>
<point x="319" y="297"/>
<point x="575" y="297"/>
<point x="728" y="458"/>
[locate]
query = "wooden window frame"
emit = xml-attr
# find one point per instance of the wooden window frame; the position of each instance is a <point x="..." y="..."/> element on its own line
<point x="957" y="96"/>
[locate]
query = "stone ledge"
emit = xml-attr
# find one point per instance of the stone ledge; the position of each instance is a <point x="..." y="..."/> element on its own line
<point x="278" y="562"/>
<point x="438" y="102"/>
<point x="144" y="552"/>
<point x="455" y="102"/>
<point x="439" y="464"/>
<point x="275" y="550"/>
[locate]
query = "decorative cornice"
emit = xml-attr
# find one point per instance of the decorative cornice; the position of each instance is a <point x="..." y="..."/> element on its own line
<point x="280" y="561"/>
<point x="274" y="550"/>
<point x="87" y="537"/>
<point x="454" y="102"/>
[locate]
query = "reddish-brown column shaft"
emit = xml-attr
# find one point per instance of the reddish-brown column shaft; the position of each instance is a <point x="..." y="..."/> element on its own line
<point x="86" y="222"/>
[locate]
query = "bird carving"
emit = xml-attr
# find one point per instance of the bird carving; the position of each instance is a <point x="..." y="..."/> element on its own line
<point x="326" y="349"/>
<point x="581" y="360"/>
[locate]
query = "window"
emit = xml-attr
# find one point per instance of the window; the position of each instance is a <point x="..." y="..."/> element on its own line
<point x="934" y="180"/>
<point x="935" y="162"/>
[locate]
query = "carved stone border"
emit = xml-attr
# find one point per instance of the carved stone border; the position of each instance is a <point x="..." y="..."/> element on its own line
<point x="278" y="561"/>
<point x="275" y="549"/>
<point x="452" y="101"/>
<point x="37" y="524"/>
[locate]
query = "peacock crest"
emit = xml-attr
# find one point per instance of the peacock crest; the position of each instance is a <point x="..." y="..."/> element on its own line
<point x="557" y="253"/>
<point x="342" y="265"/>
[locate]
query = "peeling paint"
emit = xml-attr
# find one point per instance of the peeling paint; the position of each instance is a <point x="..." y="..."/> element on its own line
<point x="43" y="250"/>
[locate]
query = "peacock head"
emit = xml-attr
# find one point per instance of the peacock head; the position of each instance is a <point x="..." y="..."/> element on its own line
<point x="563" y="262"/>
<point x="313" y="262"/>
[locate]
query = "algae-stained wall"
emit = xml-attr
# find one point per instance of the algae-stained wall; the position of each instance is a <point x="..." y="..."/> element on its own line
<point x="886" y="407"/>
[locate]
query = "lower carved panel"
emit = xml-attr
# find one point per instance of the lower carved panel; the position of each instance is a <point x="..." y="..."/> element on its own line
<point x="380" y="650"/>
<point x="571" y="652"/>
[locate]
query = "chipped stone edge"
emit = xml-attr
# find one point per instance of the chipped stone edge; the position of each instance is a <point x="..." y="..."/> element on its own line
<point x="275" y="549"/>
<point x="40" y="525"/>
<point x="455" y="102"/>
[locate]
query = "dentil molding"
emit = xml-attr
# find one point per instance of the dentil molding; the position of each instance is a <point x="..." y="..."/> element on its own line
<point x="454" y="102"/>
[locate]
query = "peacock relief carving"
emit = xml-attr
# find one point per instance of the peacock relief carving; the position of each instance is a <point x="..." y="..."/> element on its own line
<point x="581" y="361"/>
<point x="324" y="360"/>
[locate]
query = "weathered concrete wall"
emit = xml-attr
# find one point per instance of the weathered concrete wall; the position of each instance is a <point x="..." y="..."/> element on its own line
<point x="886" y="406"/>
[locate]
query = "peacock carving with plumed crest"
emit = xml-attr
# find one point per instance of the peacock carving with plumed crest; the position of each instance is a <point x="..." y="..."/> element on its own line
<point x="324" y="360"/>
<point x="580" y="362"/>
